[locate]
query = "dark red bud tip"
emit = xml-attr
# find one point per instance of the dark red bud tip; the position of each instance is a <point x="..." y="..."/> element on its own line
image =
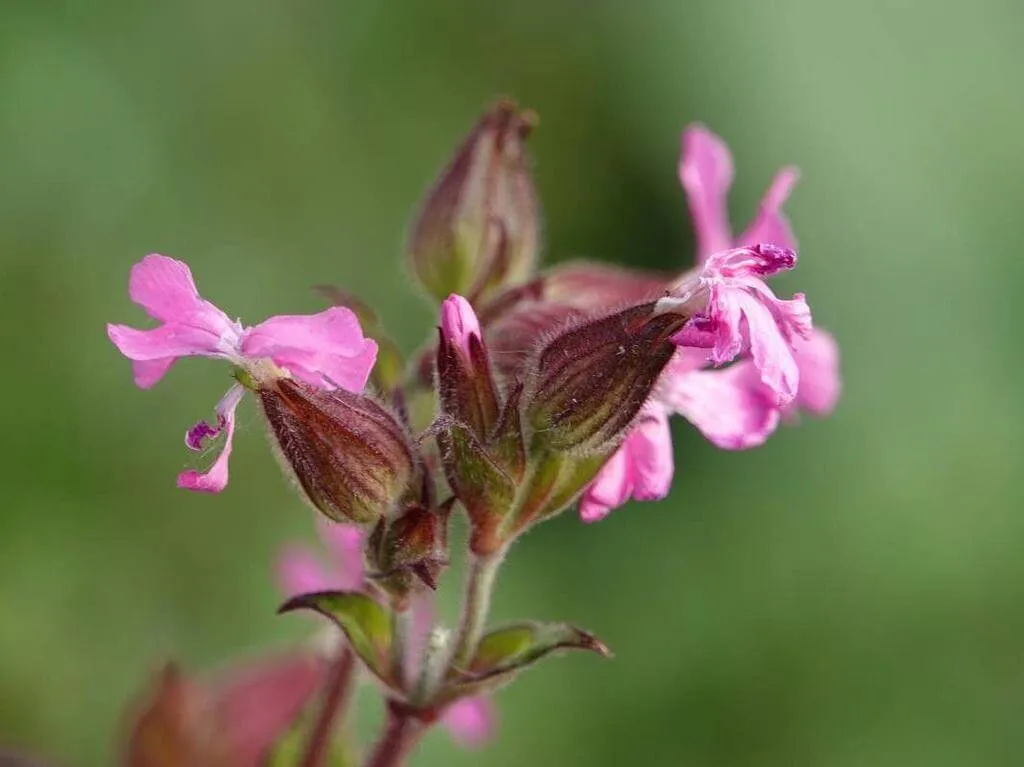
<point x="590" y="642"/>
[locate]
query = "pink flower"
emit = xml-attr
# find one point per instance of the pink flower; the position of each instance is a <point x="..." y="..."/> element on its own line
<point x="780" y="363"/>
<point x="793" y="365"/>
<point x="743" y="316"/>
<point x="469" y="721"/>
<point x="327" y="350"/>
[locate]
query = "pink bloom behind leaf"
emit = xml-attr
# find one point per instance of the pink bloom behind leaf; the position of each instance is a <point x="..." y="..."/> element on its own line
<point x="327" y="350"/>
<point x="471" y="721"/>
<point x="300" y="571"/>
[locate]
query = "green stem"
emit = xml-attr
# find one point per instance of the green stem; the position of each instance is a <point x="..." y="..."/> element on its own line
<point x="337" y="695"/>
<point x="483" y="572"/>
<point x="400" y="625"/>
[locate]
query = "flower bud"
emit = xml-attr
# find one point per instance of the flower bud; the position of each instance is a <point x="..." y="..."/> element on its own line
<point x="412" y="546"/>
<point x="479" y="226"/>
<point x="588" y="383"/>
<point x="352" y="457"/>
<point x="464" y="382"/>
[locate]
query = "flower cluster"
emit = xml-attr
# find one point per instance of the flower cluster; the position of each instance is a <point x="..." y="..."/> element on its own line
<point x="541" y="390"/>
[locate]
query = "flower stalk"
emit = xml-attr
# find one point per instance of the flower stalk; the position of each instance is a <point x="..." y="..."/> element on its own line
<point x="337" y="696"/>
<point x="476" y="604"/>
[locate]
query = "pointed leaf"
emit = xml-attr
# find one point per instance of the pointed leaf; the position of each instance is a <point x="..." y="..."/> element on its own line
<point x="366" y="623"/>
<point x="505" y="652"/>
<point x="520" y="644"/>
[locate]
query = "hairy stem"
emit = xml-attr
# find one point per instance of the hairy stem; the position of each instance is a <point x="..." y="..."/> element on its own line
<point x="483" y="572"/>
<point x="401" y="734"/>
<point x="400" y="626"/>
<point x="337" y="695"/>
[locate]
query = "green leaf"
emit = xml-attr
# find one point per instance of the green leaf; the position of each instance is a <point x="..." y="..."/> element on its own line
<point x="366" y="623"/>
<point x="505" y="652"/>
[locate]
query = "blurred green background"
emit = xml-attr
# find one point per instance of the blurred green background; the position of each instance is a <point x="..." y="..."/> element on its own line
<point x="852" y="594"/>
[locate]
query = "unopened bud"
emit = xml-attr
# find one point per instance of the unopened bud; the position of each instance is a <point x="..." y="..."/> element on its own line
<point x="590" y="381"/>
<point x="479" y="226"/>
<point x="412" y="546"/>
<point x="464" y="381"/>
<point x="352" y="457"/>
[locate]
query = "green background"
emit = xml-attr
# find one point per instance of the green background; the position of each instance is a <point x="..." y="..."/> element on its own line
<point x="850" y="595"/>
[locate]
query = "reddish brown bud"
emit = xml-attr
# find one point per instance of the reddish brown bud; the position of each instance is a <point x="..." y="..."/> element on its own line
<point x="587" y="384"/>
<point x="479" y="226"/>
<point x="353" y="458"/>
<point x="412" y="547"/>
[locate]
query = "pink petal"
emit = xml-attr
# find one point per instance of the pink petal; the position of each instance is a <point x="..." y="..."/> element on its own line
<point x="471" y="721"/>
<point x="610" y="488"/>
<point x="770" y="350"/>
<point x="817" y="357"/>
<point x="191" y="325"/>
<point x="726" y="307"/>
<point x="148" y="372"/>
<point x="706" y="173"/>
<point x="300" y="572"/>
<point x="459" y="322"/>
<point x="165" y="289"/>
<point x="165" y="341"/>
<point x="216" y="478"/>
<point x="771" y="224"/>
<point x="650" y="457"/>
<point x="729" y="407"/>
<point x="326" y="349"/>
<point x="345" y="542"/>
